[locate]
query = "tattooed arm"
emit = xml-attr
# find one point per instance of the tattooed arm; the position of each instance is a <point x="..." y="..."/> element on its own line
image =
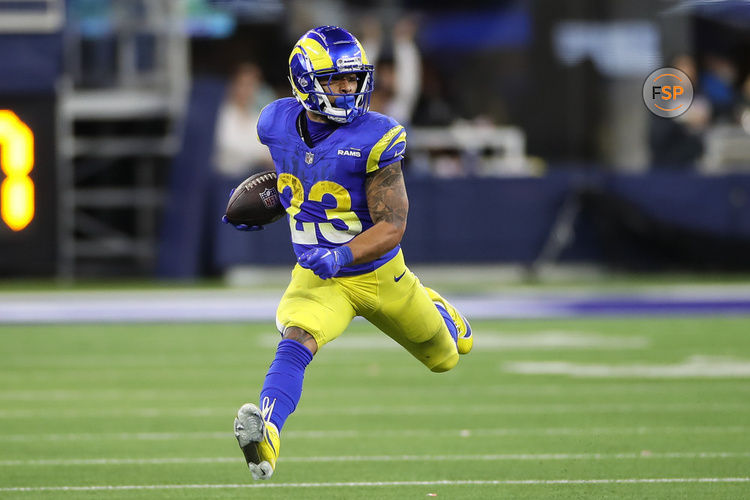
<point x="388" y="205"/>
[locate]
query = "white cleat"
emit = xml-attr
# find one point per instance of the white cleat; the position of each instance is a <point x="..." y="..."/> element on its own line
<point x="261" y="471"/>
<point x="258" y="440"/>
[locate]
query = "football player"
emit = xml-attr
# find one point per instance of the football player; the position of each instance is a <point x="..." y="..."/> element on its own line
<point x="340" y="181"/>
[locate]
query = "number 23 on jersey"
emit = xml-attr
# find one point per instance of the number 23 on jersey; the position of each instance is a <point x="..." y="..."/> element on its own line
<point x="341" y="211"/>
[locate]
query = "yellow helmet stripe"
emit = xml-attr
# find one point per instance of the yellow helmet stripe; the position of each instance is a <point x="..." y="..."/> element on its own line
<point x="295" y="51"/>
<point x="362" y="51"/>
<point x="318" y="55"/>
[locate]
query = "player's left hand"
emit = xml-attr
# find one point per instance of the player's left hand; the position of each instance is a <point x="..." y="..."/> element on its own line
<point x="326" y="262"/>
<point x="241" y="227"/>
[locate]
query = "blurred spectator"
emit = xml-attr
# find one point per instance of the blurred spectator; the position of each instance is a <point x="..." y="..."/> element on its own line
<point x="678" y="142"/>
<point x="433" y="107"/>
<point x="743" y="110"/>
<point x="398" y="68"/>
<point x="238" y="153"/>
<point x="718" y="82"/>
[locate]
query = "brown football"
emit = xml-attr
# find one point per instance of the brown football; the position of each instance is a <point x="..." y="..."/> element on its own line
<point x="255" y="201"/>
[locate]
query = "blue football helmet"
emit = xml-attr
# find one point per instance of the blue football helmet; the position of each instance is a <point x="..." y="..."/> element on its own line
<point x="321" y="54"/>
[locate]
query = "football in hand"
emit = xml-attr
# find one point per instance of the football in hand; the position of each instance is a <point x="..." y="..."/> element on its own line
<point x="255" y="201"/>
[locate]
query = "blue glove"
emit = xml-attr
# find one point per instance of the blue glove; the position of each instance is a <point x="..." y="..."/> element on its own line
<point x="326" y="262"/>
<point x="241" y="227"/>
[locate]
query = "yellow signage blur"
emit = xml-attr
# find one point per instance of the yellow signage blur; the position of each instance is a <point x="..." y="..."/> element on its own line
<point x="16" y="161"/>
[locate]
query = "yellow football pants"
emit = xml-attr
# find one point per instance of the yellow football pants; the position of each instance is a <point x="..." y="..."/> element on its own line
<point x="390" y="297"/>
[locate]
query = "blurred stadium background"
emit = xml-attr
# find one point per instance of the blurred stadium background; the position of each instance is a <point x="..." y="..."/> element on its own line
<point x="577" y="228"/>
<point x="529" y="143"/>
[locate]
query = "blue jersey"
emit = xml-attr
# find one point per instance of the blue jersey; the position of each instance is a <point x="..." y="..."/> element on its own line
<point x="323" y="188"/>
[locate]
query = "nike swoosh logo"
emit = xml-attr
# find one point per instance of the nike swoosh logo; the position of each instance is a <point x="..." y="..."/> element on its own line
<point x="398" y="278"/>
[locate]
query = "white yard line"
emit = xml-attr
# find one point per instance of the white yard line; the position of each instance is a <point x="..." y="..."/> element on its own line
<point x="439" y="482"/>
<point x="553" y="408"/>
<point x="698" y="366"/>
<point x="387" y="458"/>
<point x="666" y="386"/>
<point x="430" y="433"/>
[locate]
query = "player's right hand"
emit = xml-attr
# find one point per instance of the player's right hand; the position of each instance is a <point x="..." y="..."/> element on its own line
<point x="241" y="227"/>
<point x="324" y="262"/>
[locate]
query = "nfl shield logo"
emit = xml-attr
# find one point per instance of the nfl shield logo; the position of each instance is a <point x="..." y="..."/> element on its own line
<point x="309" y="158"/>
<point x="269" y="197"/>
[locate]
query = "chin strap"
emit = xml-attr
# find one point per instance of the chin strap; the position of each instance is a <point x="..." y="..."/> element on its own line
<point x="328" y="107"/>
<point x="304" y="134"/>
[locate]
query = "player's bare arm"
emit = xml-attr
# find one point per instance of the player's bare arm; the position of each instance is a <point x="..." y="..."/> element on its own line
<point x="389" y="206"/>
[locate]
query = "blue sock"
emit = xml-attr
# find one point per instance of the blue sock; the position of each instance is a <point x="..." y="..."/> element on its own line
<point x="283" y="385"/>
<point x="448" y="321"/>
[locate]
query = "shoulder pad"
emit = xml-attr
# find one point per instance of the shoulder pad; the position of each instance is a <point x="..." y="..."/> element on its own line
<point x="385" y="140"/>
<point x="274" y="117"/>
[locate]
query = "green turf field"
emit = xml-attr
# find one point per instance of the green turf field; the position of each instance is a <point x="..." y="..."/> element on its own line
<point x="584" y="408"/>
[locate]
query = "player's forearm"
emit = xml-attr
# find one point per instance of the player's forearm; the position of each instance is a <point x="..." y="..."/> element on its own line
<point x="376" y="241"/>
<point x="389" y="206"/>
